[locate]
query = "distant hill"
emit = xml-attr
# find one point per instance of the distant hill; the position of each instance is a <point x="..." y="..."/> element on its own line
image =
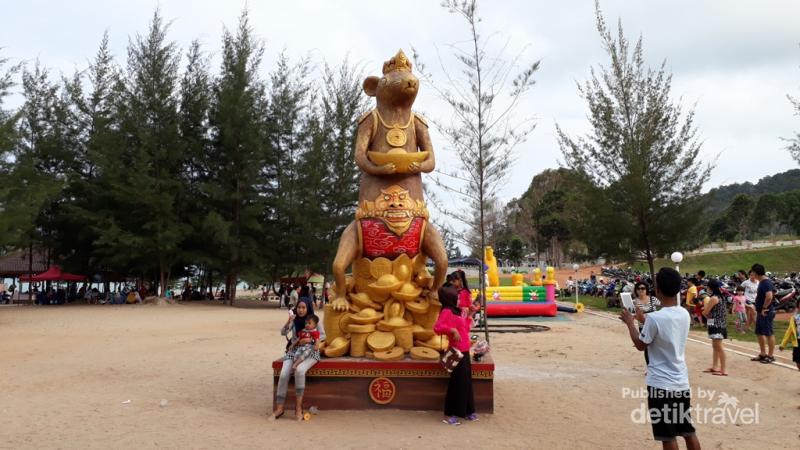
<point x="722" y="196"/>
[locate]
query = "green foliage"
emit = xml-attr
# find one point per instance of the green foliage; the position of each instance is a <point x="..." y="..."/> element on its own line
<point x="238" y="152"/>
<point x="328" y="184"/>
<point x="41" y="157"/>
<point x="721" y="197"/>
<point x="789" y="210"/>
<point x="777" y="259"/>
<point x="10" y="218"/>
<point x="745" y="218"/>
<point x="640" y="158"/>
<point x="87" y="196"/>
<point x="764" y="216"/>
<point x="149" y="182"/>
<point x="159" y="171"/>
<point x="739" y="216"/>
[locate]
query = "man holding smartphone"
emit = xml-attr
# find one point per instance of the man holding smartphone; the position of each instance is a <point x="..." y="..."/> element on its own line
<point x="664" y="337"/>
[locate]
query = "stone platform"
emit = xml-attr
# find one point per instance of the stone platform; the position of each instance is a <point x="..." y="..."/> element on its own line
<point x="359" y="384"/>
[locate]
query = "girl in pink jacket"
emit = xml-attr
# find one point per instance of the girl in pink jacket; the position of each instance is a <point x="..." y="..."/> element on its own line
<point x="460" y="401"/>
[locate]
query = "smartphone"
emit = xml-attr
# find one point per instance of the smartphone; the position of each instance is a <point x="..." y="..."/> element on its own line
<point x="627" y="301"/>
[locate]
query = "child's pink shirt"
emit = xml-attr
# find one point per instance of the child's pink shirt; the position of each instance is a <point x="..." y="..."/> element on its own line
<point x="739" y="302"/>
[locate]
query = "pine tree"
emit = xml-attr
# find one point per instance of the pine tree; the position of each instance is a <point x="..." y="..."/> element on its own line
<point x="8" y="144"/>
<point x="41" y="162"/>
<point x="93" y="116"/>
<point x="195" y="101"/>
<point x="237" y="187"/>
<point x="289" y="139"/>
<point x="640" y="158"/>
<point x="145" y="232"/>
<point x="330" y="187"/>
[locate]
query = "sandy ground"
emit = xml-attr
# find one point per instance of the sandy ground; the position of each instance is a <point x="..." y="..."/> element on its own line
<point x="66" y="372"/>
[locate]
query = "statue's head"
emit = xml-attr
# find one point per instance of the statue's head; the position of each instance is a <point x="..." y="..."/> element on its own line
<point x="396" y="208"/>
<point x="398" y="86"/>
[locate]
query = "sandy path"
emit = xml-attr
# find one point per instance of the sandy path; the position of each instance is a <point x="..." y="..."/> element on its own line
<point x="66" y="371"/>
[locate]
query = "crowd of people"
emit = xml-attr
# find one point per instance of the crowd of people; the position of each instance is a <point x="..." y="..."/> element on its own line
<point x="56" y="294"/>
<point x="659" y="326"/>
<point x="289" y="293"/>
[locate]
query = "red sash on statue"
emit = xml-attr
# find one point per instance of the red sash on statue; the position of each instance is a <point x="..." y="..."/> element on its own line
<point x="378" y="240"/>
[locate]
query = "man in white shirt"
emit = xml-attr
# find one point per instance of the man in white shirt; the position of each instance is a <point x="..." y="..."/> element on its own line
<point x="664" y="337"/>
<point x="750" y="291"/>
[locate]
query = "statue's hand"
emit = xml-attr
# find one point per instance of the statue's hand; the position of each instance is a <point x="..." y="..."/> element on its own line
<point x="387" y="169"/>
<point x="415" y="167"/>
<point x="433" y="296"/>
<point x="340" y="304"/>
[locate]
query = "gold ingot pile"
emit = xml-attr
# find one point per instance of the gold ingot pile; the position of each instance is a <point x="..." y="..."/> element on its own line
<point x="389" y="315"/>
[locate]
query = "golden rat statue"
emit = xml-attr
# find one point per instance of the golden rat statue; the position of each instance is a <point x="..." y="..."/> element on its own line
<point x="390" y="291"/>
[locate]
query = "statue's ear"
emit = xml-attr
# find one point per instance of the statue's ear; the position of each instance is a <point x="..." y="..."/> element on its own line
<point x="371" y="85"/>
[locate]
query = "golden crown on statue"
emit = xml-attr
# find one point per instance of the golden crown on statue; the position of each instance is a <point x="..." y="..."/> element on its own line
<point x="398" y="62"/>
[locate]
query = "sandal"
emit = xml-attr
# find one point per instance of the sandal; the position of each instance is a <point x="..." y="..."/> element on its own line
<point x="711" y="370"/>
<point x="768" y="360"/>
<point x="719" y="374"/>
<point x="274" y="416"/>
<point x="759" y="358"/>
<point x="451" y="421"/>
<point x="473" y="417"/>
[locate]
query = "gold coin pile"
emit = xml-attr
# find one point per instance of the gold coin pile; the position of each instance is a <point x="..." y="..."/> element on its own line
<point x="389" y="315"/>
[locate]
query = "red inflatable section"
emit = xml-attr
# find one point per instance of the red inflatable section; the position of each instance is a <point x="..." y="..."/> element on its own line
<point x="516" y="309"/>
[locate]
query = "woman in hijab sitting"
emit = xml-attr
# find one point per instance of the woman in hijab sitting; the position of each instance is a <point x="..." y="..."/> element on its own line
<point x="295" y="324"/>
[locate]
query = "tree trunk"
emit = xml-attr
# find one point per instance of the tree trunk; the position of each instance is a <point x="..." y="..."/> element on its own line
<point x="30" y="272"/>
<point x="162" y="275"/>
<point x="230" y="287"/>
<point x="648" y="250"/>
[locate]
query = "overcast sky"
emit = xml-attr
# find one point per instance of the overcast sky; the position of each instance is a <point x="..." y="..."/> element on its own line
<point x="736" y="60"/>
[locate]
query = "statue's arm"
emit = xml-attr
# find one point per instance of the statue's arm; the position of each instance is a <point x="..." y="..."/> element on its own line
<point x="425" y="145"/>
<point x="433" y="247"/>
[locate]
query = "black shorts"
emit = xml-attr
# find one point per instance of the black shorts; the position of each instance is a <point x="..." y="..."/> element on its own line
<point x="796" y="355"/>
<point x="670" y="413"/>
<point x="715" y="332"/>
<point x="764" y="323"/>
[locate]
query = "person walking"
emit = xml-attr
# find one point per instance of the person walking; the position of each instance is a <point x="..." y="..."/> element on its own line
<point x="765" y="316"/>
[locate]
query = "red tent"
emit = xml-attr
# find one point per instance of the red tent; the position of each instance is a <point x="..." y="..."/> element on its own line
<point x="54" y="273"/>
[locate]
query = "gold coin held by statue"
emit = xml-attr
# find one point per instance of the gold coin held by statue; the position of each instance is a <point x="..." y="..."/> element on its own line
<point x="396" y="137"/>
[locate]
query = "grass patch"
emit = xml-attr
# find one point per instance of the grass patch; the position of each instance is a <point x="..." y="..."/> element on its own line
<point x="781" y="259"/>
<point x="594" y="303"/>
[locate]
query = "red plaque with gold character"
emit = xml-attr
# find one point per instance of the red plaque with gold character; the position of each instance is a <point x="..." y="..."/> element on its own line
<point x="382" y="390"/>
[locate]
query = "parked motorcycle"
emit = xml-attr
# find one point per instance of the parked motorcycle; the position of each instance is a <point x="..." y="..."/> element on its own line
<point x="786" y="298"/>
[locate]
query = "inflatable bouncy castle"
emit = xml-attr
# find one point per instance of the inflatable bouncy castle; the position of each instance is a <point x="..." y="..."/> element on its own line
<point x="538" y="299"/>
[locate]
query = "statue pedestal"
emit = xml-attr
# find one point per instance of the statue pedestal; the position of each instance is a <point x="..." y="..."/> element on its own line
<point x="359" y="384"/>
